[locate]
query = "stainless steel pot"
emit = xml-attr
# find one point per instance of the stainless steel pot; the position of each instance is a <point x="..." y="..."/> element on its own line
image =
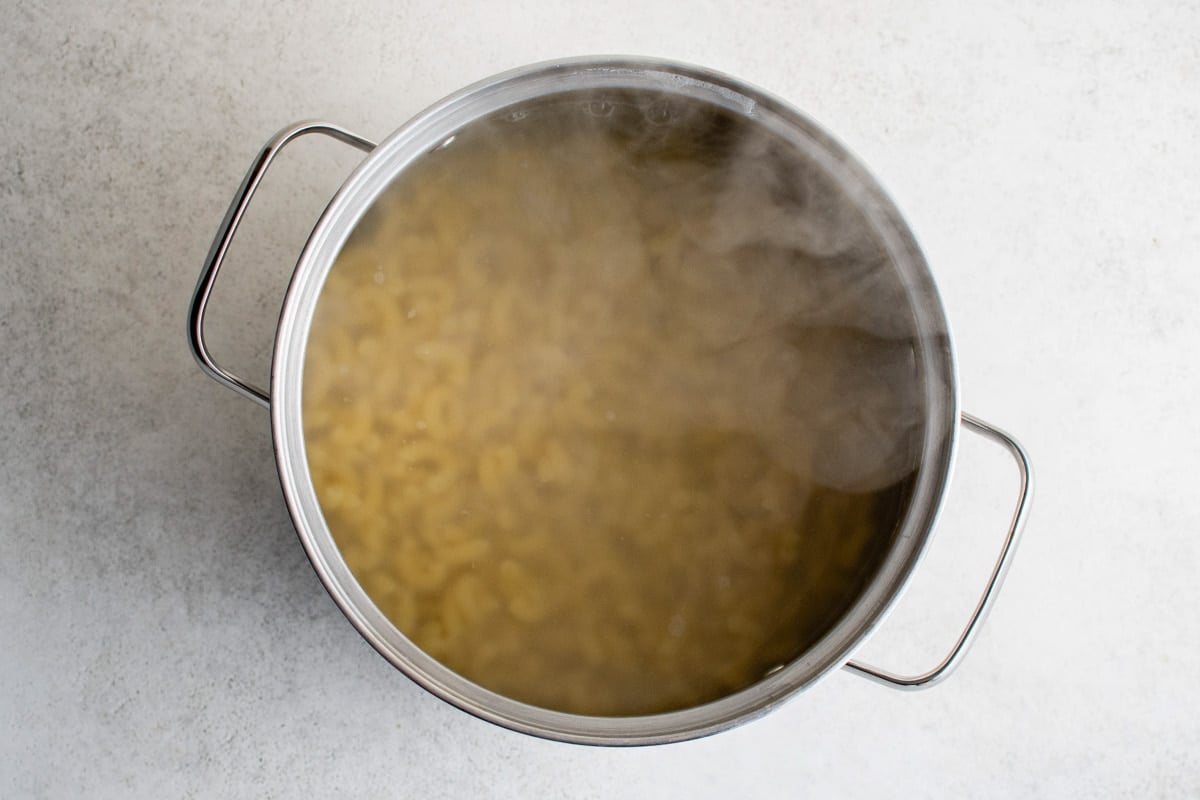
<point x="417" y="137"/>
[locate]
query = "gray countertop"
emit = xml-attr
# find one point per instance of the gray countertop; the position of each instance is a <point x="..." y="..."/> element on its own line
<point x="162" y="632"/>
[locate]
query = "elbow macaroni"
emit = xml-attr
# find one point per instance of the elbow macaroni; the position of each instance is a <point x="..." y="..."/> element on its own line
<point x="552" y="438"/>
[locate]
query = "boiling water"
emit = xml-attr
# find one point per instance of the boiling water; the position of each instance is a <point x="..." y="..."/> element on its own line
<point x="611" y="403"/>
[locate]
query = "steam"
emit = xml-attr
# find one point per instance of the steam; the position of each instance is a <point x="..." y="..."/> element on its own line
<point x="759" y="268"/>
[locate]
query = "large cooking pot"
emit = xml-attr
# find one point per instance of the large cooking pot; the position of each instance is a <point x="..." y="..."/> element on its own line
<point x="509" y="93"/>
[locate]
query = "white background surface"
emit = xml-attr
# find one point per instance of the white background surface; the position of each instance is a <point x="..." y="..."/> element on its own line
<point x="161" y="633"/>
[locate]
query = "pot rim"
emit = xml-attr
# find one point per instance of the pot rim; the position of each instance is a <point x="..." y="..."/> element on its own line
<point x="431" y="127"/>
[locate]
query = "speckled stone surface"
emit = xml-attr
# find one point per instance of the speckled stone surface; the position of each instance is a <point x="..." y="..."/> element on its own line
<point x="161" y="633"/>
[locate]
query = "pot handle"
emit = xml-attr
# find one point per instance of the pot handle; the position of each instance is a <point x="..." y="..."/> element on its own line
<point x="951" y="661"/>
<point x="220" y="248"/>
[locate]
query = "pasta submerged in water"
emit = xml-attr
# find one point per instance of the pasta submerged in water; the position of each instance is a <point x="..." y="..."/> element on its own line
<point x="611" y="403"/>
